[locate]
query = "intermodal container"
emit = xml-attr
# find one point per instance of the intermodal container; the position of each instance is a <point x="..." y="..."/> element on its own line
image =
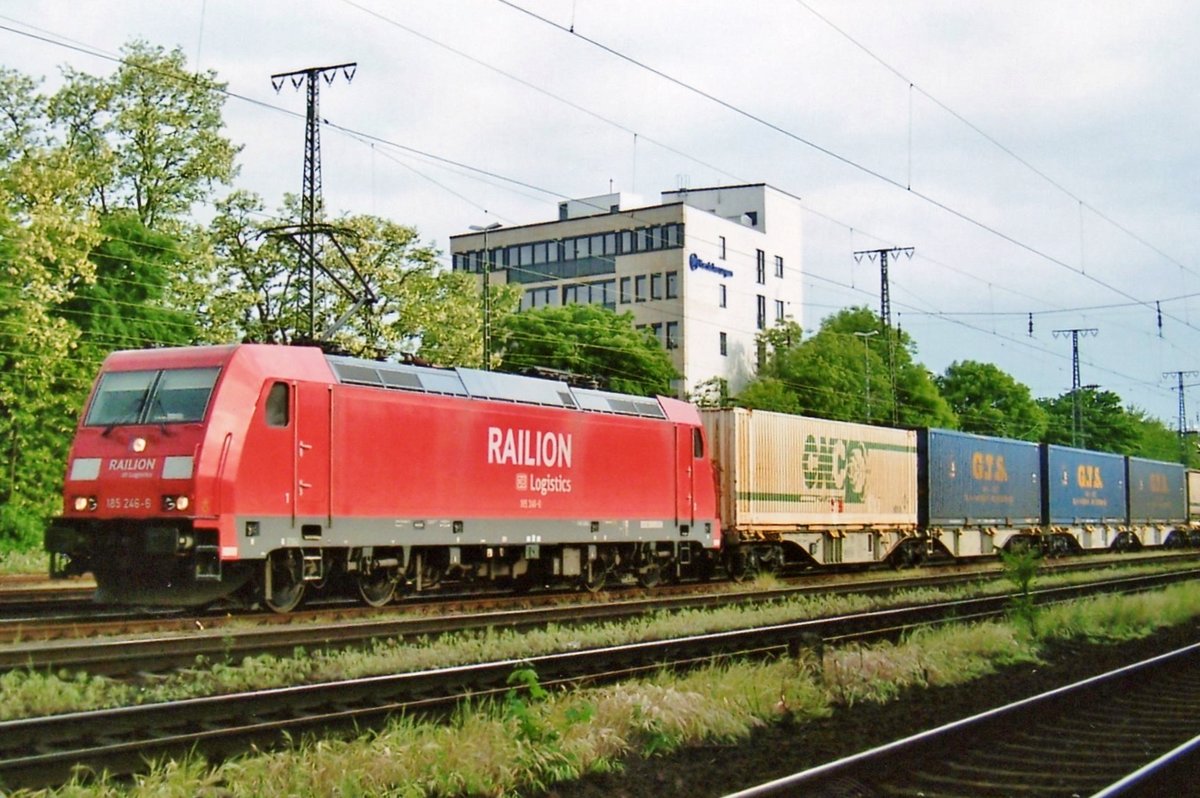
<point x="1193" y="489"/>
<point x="1157" y="491"/>
<point x="974" y="480"/>
<point x="1083" y="487"/>
<point x="780" y="471"/>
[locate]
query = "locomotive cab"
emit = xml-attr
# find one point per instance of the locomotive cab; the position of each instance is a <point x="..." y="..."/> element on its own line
<point x="130" y="504"/>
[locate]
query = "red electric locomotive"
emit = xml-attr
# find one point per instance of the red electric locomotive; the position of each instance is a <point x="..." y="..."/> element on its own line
<point x="260" y="471"/>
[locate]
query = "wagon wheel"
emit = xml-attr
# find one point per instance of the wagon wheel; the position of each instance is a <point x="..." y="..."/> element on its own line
<point x="741" y="564"/>
<point x="283" y="586"/>
<point x="377" y="586"/>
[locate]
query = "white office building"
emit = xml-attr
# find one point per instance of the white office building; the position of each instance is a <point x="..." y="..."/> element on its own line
<point x="706" y="270"/>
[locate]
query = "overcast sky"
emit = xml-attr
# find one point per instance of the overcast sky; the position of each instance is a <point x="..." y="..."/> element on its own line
<point x="1041" y="157"/>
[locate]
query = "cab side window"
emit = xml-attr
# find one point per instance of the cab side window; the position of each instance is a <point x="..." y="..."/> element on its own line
<point x="697" y="443"/>
<point x="278" y="404"/>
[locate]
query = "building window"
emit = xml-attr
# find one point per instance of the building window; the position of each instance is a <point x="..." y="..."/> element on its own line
<point x="674" y="235"/>
<point x="672" y="335"/>
<point x="626" y="288"/>
<point x="779" y="266"/>
<point x="656" y="284"/>
<point x="626" y="241"/>
<point x="605" y="294"/>
<point x="762" y="312"/>
<point x="724" y="345"/>
<point x="722" y="247"/>
<point x="723" y="296"/>
<point x="639" y="288"/>
<point x="657" y="329"/>
<point x="760" y="264"/>
<point x="672" y="285"/>
<point x="778" y="310"/>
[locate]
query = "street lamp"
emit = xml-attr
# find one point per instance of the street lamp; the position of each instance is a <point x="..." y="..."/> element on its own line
<point x="487" y="300"/>
<point x="866" y="336"/>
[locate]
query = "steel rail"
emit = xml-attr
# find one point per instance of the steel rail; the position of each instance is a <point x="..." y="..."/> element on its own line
<point x="124" y="656"/>
<point x="1090" y="724"/>
<point x="58" y="615"/>
<point x="42" y="751"/>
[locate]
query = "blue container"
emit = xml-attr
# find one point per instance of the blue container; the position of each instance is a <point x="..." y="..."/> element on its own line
<point x="1083" y="487"/>
<point x="1157" y="491"/>
<point x="976" y="480"/>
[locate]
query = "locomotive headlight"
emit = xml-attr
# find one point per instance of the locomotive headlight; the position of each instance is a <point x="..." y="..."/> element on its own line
<point x="138" y="445"/>
<point x="172" y="503"/>
<point x="81" y="503"/>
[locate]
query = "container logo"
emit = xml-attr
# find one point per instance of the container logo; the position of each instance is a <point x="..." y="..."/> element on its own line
<point x="1088" y="476"/>
<point x="988" y="467"/>
<point x="836" y="464"/>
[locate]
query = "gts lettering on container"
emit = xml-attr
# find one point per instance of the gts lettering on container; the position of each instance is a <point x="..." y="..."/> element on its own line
<point x="987" y="467"/>
<point x="1088" y="476"/>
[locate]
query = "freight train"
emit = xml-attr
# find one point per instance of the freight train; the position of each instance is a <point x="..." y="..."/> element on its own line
<point x="259" y="473"/>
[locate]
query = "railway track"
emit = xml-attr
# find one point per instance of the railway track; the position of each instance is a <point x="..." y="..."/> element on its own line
<point x="57" y="611"/>
<point x="123" y="656"/>
<point x="1131" y="731"/>
<point x="43" y="751"/>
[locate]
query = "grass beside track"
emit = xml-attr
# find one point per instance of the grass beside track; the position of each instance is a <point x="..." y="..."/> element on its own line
<point x="24" y="562"/>
<point x="28" y="693"/>
<point x="527" y="742"/>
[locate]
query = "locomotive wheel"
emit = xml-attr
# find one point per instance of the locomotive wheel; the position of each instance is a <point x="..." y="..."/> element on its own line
<point x="595" y="582"/>
<point x="649" y="575"/>
<point x="378" y="586"/>
<point x="283" y="585"/>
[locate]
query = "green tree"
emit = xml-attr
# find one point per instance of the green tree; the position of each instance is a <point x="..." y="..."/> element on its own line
<point x="381" y="290"/>
<point x="1157" y="441"/>
<point x="147" y="137"/>
<point x="1105" y="425"/>
<point x="591" y="341"/>
<point x="842" y="372"/>
<point x="124" y="306"/>
<point x="769" y="393"/>
<point x="989" y="401"/>
<point x="46" y="233"/>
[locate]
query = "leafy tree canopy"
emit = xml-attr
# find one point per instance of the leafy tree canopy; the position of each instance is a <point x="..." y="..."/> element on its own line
<point x="147" y="137"/>
<point x="842" y="372"/>
<point x="379" y="290"/>
<point x="989" y="401"/>
<point x="1105" y="426"/>
<point x="590" y="341"/>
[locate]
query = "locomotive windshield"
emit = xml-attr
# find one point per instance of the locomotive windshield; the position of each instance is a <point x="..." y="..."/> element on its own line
<point x="152" y="397"/>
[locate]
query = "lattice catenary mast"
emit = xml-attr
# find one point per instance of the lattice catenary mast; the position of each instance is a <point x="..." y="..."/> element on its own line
<point x="310" y="197"/>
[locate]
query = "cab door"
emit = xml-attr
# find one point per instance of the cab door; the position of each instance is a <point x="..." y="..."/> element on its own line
<point x="685" y="505"/>
<point x="312" y="464"/>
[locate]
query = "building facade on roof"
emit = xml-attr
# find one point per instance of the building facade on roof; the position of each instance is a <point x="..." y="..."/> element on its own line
<point x="705" y="271"/>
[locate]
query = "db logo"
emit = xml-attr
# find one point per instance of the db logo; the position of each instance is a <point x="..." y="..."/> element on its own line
<point x="522" y="482"/>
